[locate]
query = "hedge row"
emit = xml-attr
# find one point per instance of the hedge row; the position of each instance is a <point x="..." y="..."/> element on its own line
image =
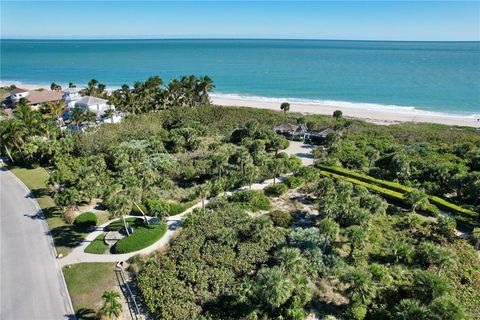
<point x="86" y="221"/>
<point x="464" y="217"/>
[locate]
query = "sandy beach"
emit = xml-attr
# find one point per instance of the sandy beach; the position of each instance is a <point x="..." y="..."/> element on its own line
<point x="382" y="117"/>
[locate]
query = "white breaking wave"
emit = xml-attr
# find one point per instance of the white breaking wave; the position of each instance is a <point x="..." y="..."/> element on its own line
<point x="342" y="104"/>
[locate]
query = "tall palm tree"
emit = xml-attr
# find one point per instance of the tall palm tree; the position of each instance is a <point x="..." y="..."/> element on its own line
<point x="112" y="308"/>
<point x="109" y="113"/>
<point x="78" y="117"/>
<point x="285" y="107"/>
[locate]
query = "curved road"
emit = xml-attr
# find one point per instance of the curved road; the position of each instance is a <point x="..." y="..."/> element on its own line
<point x="31" y="282"/>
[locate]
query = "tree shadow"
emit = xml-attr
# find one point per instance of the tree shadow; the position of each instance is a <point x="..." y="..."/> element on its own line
<point x="66" y="236"/>
<point x="85" y="314"/>
<point x="37" y="216"/>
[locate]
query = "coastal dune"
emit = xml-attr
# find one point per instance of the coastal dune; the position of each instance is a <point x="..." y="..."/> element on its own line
<point x="380" y="116"/>
<point x="383" y="117"/>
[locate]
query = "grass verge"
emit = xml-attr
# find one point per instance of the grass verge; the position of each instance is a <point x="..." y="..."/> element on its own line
<point x="86" y="283"/>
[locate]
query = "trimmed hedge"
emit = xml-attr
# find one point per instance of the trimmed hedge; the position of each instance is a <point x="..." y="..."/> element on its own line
<point x="394" y="191"/>
<point x="97" y="246"/>
<point x="86" y="221"/>
<point x="141" y="237"/>
<point x="275" y="190"/>
<point x="118" y="225"/>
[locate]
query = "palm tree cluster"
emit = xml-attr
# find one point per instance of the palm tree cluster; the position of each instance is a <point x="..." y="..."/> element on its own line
<point x="29" y="135"/>
<point x="151" y="95"/>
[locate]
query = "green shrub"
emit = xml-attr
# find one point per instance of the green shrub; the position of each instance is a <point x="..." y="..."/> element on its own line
<point x="177" y="208"/>
<point x="86" y="221"/>
<point x="136" y="212"/>
<point x="158" y="207"/>
<point x="97" y="246"/>
<point x="282" y="155"/>
<point x="293" y="182"/>
<point x="275" y="190"/>
<point x="281" y="218"/>
<point x="307" y="173"/>
<point x="141" y="237"/>
<point x="250" y="199"/>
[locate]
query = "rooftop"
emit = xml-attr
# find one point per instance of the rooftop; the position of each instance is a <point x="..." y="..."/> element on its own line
<point x="90" y="101"/>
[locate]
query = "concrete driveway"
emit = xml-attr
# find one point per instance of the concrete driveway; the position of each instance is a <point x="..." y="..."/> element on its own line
<point x="31" y="281"/>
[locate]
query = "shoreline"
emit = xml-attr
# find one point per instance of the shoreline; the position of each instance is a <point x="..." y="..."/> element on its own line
<point x="377" y="116"/>
<point x="380" y="117"/>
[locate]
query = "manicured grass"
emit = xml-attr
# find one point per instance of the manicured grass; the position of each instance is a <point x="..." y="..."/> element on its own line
<point x="86" y="284"/>
<point x="118" y="225"/>
<point x="97" y="246"/>
<point x="142" y="237"/>
<point x="65" y="236"/>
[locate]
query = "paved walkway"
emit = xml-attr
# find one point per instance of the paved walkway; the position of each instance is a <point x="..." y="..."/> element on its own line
<point x="31" y="281"/>
<point x="173" y="223"/>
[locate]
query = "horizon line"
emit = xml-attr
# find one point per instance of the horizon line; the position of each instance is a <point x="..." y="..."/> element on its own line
<point x="110" y="38"/>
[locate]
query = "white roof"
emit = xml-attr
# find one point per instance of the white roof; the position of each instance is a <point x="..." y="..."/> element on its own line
<point x="91" y="101"/>
<point x="71" y="90"/>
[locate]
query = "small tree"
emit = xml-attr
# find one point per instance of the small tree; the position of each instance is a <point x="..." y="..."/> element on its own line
<point x="112" y="308"/>
<point x="285" y="106"/>
<point x="417" y="199"/>
<point x="337" y="114"/>
<point x="55" y="87"/>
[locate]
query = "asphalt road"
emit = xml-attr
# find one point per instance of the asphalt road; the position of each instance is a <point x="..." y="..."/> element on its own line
<point x="31" y="282"/>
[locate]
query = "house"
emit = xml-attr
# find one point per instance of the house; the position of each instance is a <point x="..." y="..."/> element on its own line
<point x="35" y="98"/>
<point x="317" y="137"/>
<point x="94" y="104"/>
<point x="70" y="95"/>
<point x="286" y="129"/>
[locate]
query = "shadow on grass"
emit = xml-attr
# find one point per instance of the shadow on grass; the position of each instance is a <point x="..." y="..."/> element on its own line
<point x="66" y="236"/>
<point x="85" y="314"/>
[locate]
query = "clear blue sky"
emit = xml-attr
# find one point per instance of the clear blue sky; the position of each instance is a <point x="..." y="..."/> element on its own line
<point x="385" y="20"/>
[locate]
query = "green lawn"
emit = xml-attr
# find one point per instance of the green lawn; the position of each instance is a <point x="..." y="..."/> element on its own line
<point x="86" y="284"/>
<point x="65" y="236"/>
<point x="97" y="246"/>
<point x="142" y="237"/>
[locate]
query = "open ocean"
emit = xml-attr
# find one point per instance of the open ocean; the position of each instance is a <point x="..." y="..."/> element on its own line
<point x="407" y="76"/>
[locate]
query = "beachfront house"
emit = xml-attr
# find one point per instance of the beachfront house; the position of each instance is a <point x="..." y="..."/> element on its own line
<point x="70" y="95"/>
<point x="317" y="137"/>
<point x="286" y="129"/>
<point x="34" y="98"/>
<point x="94" y="104"/>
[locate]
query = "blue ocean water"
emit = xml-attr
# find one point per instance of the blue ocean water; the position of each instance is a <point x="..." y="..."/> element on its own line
<point x="431" y="76"/>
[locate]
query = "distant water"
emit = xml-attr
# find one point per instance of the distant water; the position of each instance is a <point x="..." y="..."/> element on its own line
<point x="429" y="76"/>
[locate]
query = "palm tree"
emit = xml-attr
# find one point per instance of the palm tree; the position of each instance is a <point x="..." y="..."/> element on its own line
<point x="78" y="117"/>
<point x="361" y="288"/>
<point x="55" y="109"/>
<point x="55" y="87"/>
<point x="329" y="229"/>
<point x="71" y="85"/>
<point x="337" y="114"/>
<point x="411" y="309"/>
<point x="275" y="166"/>
<point x="112" y="308"/>
<point x="204" y="191"/>
<point x="274" y="288"/>
<point x="291" y="260"/>
<point x="285" y="106"/>
<point x="356" y="236"/>
<point x="109" y="113"/>
<point x="251" y="173"/>
<point x="417" y="199"/>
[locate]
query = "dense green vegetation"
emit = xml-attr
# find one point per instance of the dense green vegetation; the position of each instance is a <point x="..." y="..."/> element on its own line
<point x="86" y="221"/>
<point x="358" y="259"/>
<point x="377" y="249"/>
